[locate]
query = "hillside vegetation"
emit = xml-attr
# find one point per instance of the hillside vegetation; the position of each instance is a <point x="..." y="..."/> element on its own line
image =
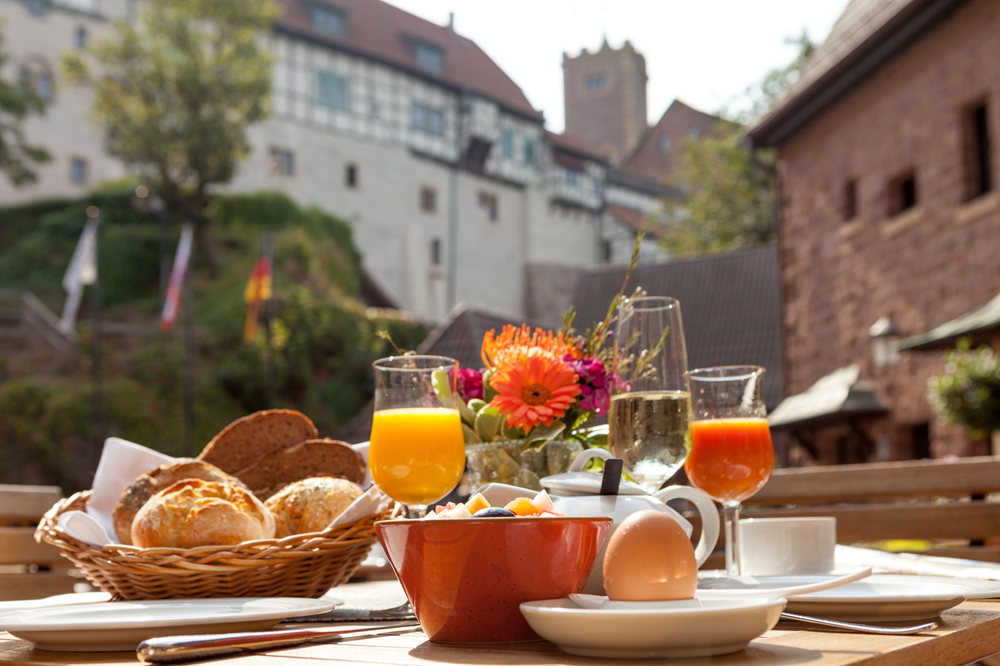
<point x="324" y="338"/>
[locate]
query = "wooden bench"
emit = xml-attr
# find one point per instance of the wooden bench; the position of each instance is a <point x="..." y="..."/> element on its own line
<point x="30" y="570"/>
<point x="944" y="502"/>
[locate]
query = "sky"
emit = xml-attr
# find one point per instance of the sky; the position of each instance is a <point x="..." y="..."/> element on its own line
<point x="703" y="52"/>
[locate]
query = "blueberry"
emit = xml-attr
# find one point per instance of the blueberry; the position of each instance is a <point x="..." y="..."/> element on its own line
<point x="493" y="512"/>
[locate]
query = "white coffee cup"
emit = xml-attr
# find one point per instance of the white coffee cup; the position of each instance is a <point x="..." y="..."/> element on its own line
<point x="787" y="546"/>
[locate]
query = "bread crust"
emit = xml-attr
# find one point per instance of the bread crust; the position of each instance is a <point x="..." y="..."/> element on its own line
<point x="313" y="458"/>
<point x="193" y="513"/>
<point x="138" y="493"/>
<point x="310" y="505"/>
<point x="247" y="439"/>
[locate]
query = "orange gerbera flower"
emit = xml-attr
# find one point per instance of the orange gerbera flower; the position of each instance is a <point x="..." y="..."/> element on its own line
<point x="534" y="391"/>
<point x="517" y="344"/>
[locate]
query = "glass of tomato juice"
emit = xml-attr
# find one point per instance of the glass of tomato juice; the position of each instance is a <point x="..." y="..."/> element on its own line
<point x="417" y="451"/>
<point x="731" y="454"/>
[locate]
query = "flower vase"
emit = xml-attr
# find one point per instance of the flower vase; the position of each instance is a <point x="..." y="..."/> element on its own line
<point x="518" y="463"/>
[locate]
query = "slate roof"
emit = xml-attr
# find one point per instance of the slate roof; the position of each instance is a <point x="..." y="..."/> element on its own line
<point x="867" y="34"/>
<point x="974" y="324"/>
<point x="730" y="307"/>
<point x="377" y="30"/>
<point x="839" y="396"/>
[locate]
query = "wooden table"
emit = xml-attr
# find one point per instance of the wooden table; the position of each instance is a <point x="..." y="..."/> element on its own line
<point x="968" y="632"/>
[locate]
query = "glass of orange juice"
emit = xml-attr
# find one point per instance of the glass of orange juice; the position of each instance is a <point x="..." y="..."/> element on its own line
<point x="731" y="454"/>
<point x="417" y="451"/>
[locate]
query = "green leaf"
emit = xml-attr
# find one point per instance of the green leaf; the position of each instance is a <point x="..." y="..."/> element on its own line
<point x="468" y="414"/>
<point x="476" y="404"/>
<point x="510" y="433"/>
<point x="470" y="435"/>
<point x="488" y="423"/>
<point x="488" y="391"/>
<point x="542" y="434"/>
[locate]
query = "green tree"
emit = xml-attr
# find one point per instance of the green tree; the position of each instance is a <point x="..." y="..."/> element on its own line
<point x="17" y="156"/>
<point x="729" y="190"/>
<point x="176" y="91"/>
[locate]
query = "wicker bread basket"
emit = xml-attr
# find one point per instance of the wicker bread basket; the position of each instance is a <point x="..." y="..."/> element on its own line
<point x="302" y="565"/>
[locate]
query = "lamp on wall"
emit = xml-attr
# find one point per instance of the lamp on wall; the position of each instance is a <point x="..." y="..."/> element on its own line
<point x="884" y="338"/>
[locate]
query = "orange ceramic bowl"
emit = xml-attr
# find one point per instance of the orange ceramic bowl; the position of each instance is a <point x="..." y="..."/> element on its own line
<point x="467" y="578"/>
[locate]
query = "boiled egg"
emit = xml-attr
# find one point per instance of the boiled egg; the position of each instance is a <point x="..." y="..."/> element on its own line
<point x="650" y="558"/>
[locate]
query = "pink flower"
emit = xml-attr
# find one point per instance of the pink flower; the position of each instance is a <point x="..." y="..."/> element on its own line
<point x="470" y="384"/>
<point x="595" y="383"/>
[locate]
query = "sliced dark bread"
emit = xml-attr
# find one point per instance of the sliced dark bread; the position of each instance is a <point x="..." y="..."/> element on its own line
<point x="248" y="439"/>
<point x="317" y="457"/>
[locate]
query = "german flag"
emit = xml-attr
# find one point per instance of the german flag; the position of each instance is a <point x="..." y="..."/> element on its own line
<point x="258" y="289"/>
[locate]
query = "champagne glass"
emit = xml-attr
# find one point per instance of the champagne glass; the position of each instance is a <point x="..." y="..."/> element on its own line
<point x="731" y="452"/>
<point x="417" y="451"/>
<point x="650" y="415"/>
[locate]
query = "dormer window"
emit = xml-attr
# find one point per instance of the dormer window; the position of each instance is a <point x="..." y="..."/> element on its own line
<point x="329" y="20"/>
<point x="429" y="57"/>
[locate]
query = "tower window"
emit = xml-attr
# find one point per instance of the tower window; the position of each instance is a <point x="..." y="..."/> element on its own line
<point x="975" y="127"/>
<point x="596" y="81"/>
<point x="850" y="200"/>
<point x="902" y="193"/>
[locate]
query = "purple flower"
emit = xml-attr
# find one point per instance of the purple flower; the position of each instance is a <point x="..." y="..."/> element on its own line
<point x="595" y="383"/>
<point x="470" y="384"/>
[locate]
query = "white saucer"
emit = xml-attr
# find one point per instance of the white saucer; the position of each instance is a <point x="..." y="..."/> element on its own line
<point x="121" y="626"/>
<point x="878" y="598"/>
<point x="689" y="628"/>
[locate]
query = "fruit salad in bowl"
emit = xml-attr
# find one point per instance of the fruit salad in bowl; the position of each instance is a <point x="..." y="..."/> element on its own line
<point x="467" y="568"/>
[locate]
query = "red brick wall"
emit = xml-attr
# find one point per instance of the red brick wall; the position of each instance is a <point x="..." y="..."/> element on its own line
<point x="838" y="278"/>
<point x="650" y="159"/>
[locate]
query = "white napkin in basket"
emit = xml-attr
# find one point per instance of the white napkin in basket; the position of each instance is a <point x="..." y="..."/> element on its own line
<point x="122" y="462"/>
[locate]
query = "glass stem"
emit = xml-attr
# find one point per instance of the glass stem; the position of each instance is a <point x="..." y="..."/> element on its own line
<point x="416" y="511"/>
<point x="731" y="512"/>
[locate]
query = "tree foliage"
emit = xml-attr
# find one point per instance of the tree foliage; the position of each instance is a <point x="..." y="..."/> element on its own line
<point x="176" y="91"/>
<point x="17" y="156"/>
<point x="968" y="393"/>
<point x="729" y="189"/>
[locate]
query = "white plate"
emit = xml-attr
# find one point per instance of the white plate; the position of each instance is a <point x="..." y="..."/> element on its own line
<point x="874" y="599"/>
<point x="120" y="626"/>
<point x="691" y="628"/>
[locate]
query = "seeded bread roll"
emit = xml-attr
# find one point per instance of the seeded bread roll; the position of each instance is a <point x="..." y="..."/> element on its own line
<point x="318" y="457"/>
<point x="150" y="483"/>
<point x="194" y="513"/>
<point x="310" y="505"/>
<point x="245" y="440"/>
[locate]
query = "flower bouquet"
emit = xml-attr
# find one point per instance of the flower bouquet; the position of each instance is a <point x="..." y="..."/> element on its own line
<point x="532" y="407"/>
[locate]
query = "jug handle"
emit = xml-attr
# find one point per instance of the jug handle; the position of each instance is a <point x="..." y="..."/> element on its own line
<point x="709" y="516"/>
<point x="583" y="456"/>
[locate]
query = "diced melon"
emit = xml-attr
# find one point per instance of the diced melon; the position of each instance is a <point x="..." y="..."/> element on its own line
<point x="476" y="503"/>
<point x="523" y="506"/>
<point x="458" y="512"/>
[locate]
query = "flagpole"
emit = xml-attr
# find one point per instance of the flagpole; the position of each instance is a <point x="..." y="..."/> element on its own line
<point x="188" y="312"/>
<point x="269" y="358"/>
<point x="97" y="399"/>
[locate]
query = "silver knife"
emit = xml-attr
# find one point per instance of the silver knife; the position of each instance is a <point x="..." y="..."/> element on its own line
<point x="174" y="649"/>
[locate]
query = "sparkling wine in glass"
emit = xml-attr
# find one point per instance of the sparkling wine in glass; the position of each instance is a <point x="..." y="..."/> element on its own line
<point x="650" y="415"/>
<point x="731" y="452"/>
<point x="417" y="452"/>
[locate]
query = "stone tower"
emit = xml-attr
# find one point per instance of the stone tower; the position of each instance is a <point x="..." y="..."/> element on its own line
<point x="605" y="96"/>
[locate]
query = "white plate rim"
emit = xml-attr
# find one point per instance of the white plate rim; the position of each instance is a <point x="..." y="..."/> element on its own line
<point x="719" y="606"/>
<point x="955" y="588"/>
<point x="279" y="608"/>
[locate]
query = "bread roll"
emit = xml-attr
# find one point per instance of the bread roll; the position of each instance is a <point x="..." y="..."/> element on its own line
<point x="310" y="505"/>
<point x="147" y="485"/>
<point x="313" y="458"/>
<point x="247" y="439"/>
<point x="194" y="513"/>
